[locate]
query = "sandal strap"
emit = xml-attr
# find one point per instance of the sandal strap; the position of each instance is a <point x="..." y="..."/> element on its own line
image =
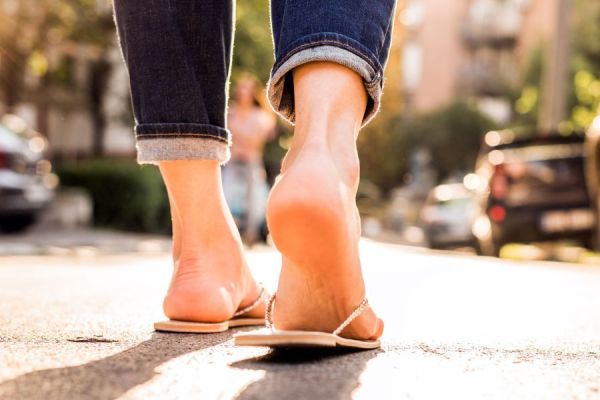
<point x="269" y="311"/>
<point x="357" y="311"/>
<point x="364" y="304"/>
<point x="252" y="306"/>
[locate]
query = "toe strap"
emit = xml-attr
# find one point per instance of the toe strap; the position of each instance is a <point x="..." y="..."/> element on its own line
<point x="357" y="311"/>
<point x="269" y="311"/>
<point x="364" y="304"/>
<point x="252" y="306"/>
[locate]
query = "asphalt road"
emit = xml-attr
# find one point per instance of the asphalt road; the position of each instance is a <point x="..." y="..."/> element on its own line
<point x="457" y="326"/>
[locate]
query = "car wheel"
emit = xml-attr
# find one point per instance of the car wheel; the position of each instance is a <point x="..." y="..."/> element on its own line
<point x="264" y="232"/>
<point x="489" y="248"/>
<point x="476" y="246"/>
<point x="16" y="223"/>
<point x="436" y="246"/>
<point x="590" y="242"/>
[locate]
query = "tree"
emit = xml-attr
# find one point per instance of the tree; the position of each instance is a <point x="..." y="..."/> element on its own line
<point x="38" y="37"/>
<point x="253" y="48"/>
<point x="452" y="135"/>
<point x="585" y="65"/>
<point x="584" y="93"/>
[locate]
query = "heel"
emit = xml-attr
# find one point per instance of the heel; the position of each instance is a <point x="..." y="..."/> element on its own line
<point x="302" y="213"/>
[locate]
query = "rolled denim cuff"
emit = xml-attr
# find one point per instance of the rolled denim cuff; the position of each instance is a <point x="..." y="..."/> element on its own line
<point x="181" y="141"/>
<point x="280" y="88"/>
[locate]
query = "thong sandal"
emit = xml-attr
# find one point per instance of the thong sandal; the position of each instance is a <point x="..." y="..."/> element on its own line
<point x="272" y="337"/>
<point x="214" y="327"/>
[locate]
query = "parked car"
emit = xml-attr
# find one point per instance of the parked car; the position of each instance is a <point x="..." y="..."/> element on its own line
<point x="447" y="216"/>
<point x="532" y="190"/>
<point x="26" y="181"/>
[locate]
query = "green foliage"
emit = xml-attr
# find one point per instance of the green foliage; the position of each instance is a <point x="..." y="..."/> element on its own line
<point x="586" y="31"/>
<point x="584" y="99"/>
<point x="384" y="148"/>
<point x="253" y="48"/>
<point x="527" y="103"/>
<point x="586" y="88"/>
<point x="30" y="28"/>
<point x="125" y="196"/>
<point x="584" y="94"/>
<point x="452" y="135"/>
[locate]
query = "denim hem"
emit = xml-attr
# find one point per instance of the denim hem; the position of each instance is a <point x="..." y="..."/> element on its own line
<point x="280" y="90"/>
<point x="151" y="149"/>
<point x="183" y="130"/>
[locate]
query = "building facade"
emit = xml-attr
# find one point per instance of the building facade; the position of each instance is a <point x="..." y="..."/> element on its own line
<point x="471" y="48"/>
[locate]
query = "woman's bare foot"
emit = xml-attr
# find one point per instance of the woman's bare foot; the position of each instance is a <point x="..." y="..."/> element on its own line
<point x="211" y="279"/>
<point x="312" y="212"/>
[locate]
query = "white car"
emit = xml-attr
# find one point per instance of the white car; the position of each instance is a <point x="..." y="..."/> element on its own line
<point x="447" y="216"/>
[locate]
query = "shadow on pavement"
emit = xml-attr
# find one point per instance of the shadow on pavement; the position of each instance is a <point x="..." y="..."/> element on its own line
<point x="110" y="377"/>
<point x="306" y="373"/>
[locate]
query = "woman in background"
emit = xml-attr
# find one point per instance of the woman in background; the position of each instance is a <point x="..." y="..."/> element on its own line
<point x="244" y="179"/>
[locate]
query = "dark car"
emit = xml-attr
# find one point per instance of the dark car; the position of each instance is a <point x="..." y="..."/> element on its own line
<point x="592" y="170"/>
<point x="26" y="181"/>
<point x="532" y="190"/>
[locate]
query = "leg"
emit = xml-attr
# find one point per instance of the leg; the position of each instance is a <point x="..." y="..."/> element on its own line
<point x="211" y="279"/>
<point x="178" y="57"/>
<point x="312" y="212"/>
<point x="250" y="233"/>
<point x="327" y="78"/>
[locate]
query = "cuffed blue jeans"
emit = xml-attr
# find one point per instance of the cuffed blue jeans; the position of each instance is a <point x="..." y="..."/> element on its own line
<point x="178" y="54"/>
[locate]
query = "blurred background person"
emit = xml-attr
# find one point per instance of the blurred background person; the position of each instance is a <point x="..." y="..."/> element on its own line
<point x="244" y="179"/>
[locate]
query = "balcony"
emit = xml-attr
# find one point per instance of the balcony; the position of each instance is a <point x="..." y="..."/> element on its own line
<point x="485" y="79"/>
<point x="492" y="23"/>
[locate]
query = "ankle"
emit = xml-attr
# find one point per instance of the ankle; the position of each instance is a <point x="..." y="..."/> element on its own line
<point x="192" y="184"/>
<point x="199" y="212"/>
<point x="334" y="149"/>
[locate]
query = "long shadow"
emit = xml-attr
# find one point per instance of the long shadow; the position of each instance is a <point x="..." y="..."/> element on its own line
<point x="306" y="374"/>
<point x="110" y="377"/>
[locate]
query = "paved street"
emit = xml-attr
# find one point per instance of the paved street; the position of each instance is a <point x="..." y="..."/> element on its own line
<point x="80" y="242"/>
<point x="78" y="326"/>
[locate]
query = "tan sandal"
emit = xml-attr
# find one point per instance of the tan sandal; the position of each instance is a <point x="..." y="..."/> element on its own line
<point x="214" y="327"/>
<point x="272" y="337"/>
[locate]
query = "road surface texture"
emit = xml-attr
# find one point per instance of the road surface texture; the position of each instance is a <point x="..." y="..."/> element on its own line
<point x="457" y="327"/>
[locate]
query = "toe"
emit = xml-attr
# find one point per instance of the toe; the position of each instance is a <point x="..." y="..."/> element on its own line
<point x="378" y="329"/>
